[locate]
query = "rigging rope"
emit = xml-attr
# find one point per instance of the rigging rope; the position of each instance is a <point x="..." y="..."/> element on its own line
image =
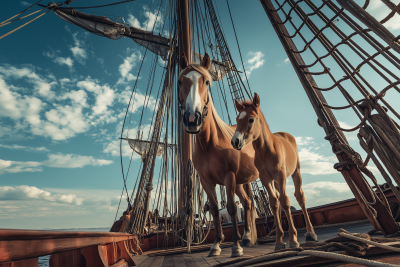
<point x="21" y="12"/>
<point x="112" y="4"/>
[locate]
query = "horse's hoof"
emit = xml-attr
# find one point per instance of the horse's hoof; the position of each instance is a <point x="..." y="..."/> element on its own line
<point x="245" y="243"/>
<point x="214" y="252"/>
<point x="294" y="244"/>
<point x="237" y="251"/>
<point x="311" y="237"/>
<point x="279" y="246"/>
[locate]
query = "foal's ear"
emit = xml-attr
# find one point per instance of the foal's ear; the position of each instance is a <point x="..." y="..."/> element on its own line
<point x="183" y="62"/>
<point x="256" y="100"/>
<point x="238" y="106"/>
<point x="206" y="62"/>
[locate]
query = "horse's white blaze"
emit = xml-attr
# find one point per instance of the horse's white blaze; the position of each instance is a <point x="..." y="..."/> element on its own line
<point x="242" y="115"/>
<point x="193" y="99"/>
<point x="246" y="235"/>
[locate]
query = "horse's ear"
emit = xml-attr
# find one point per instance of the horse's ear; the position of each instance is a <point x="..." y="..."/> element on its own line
<point x="183" y="62"/>
<point x="238" y="106"/>
<point x="206" y="62"/>
<point x="256" y="100"/>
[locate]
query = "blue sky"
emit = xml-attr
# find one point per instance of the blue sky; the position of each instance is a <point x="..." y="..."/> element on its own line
<point x="63" y="95"/>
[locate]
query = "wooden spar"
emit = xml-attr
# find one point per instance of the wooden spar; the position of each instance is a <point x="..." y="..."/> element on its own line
<point x="184" y="45"/>
<point x="383" y="220"/>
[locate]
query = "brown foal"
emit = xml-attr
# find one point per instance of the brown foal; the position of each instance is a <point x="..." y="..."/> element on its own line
<point x="276" y="159"/>
<point x="214" y="159"/>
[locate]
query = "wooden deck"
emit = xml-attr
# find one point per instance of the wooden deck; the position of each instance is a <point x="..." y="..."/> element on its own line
<point x="160" y="258"/>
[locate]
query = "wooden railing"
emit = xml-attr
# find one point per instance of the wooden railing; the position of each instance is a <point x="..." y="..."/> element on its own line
<point x="21" y="248"/>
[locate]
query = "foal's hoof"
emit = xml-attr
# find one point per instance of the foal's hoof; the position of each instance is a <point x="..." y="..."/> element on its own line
<point x="246" y="243"/>
<point x="294" y="244"/>
<point x="214" y="252"/>
<point x="279" y="246"/>
<point x="237" y="251"/>
<point x="311" y="237"/>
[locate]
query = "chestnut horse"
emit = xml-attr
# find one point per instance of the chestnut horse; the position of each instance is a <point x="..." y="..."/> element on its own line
<point x="277" y="158"/>
<point x="214" y="159"/>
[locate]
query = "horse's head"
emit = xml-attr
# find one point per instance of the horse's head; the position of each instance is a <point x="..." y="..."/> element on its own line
<point x="248" y="122"/>
<point x="193" y="93"/>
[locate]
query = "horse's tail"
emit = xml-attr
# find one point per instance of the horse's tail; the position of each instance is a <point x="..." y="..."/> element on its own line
<point x="252" y="222"/>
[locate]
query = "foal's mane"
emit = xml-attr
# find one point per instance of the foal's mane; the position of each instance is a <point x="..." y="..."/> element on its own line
<point x="227" y="131"/>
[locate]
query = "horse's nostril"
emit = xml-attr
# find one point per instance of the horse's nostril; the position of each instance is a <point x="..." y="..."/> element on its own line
<point x="237" y="142"/>
<point x="232" y="143"/>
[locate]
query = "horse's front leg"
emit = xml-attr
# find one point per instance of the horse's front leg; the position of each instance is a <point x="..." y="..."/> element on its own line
<point x="212" y="198"/>
<point x="230" y="184"/>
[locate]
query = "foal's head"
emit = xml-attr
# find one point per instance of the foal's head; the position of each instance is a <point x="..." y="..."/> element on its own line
<point x="193" y="93"/>
<point x="248" y="122"/>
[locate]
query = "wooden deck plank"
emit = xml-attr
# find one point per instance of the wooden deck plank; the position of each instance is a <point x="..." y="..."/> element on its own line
<point x="179" y="260"/>
<point x="158" y="261"/>
<point x="168" y="261"/>
<point x="147" y="262"/>
<point x="199" y="260"/>
<point x="138" y="259"/>
<point x="189" y="260"/>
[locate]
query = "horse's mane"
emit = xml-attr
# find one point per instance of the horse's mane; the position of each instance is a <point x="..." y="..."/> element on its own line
<point x="225" y="128"/>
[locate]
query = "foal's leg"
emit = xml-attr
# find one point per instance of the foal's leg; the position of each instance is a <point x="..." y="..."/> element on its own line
<point x="299" y="194"/>
<point x="285" y="203"/>
<point x="212" y="197"/>
<point x="268" y="182"/>
<point x="246" y="203"/>
<point x="230" y="185"/>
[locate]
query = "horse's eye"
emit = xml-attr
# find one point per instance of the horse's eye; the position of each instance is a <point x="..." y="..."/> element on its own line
<point x="207" y="83"/>
<point x="179" y="83"/>
<point x="251" y="120"/>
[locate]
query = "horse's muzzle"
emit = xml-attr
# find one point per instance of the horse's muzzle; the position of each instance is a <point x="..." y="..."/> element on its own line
<point x="192" y="123"/>
<point x="237" y="143"/>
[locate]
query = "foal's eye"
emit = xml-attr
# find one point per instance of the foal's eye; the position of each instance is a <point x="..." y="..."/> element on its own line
<point x="207" y="83"/>
<point x="179" y="83"/>
<point x="251" y="120"/>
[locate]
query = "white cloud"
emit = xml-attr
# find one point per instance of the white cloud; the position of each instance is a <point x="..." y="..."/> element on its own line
<point x="315" y="163"/>
<point x="78" y="49"/>
<point x="312" y="162"/>
<point x="59" y="60"/>
<point x="23" y="3"/>
<point x="66" y="115"/>
<point x="301" y="141"/>
<point x="113" y="148"/>
<point x="286" y="61"/>
<point x="19" y="166"/>
<point x="54" y="161"/>
<point x="26" y="148"/>
<point x="320" y="193"/>
<point x="41" y="85"/>
<point x="152" y="20"/>
<point x="379" y="10"/>
<point x="349" y="135"/>
<point x="255" y="61"/>
<point x="64" y="60"/>
<point x="127" y="66"/>
<point x="24" y="192"/>
<point x="74" y="161"/>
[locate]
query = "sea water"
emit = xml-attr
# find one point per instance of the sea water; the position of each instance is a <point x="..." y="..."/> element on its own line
<point x="44" y="261"/>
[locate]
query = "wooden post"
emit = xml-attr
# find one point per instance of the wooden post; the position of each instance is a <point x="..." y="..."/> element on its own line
<point x="384" y="220"/>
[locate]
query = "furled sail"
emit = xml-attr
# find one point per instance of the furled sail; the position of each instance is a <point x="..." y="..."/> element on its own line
<point x="142" y="147"/>
<point x="217" y="69"/>
<point x="103" y="26"/>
